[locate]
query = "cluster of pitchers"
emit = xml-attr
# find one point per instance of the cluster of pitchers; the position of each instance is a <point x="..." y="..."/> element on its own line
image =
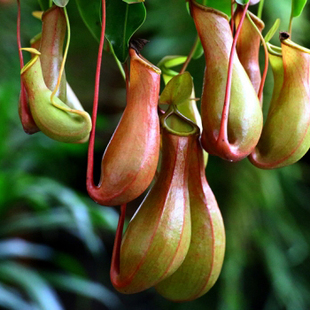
<point x="175" y="241"/>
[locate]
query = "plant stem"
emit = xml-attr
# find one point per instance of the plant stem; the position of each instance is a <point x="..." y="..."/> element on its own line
<point x="90" y="158"/>
<point x="190" y="55"/>
<point x="264" y="75"/>
<point x="290" y="25"/>
<point x="62" y="67"/>
<point x="260" y="9"/>
<point x="50" y="3"/>
<point x="223" y="136"/>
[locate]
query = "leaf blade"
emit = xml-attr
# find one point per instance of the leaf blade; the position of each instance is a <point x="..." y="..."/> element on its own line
<point x="84" y="287"/>
<point x="38" y="289"/>
<point x="297" y="7"/>
<point x="90" y="14"/>
<point x="10" y="299"/>
<point x="178" y="89"/>
<point x="221" y="5"/>
<point x="123" y="20"/>
<point x="44" y="4"/>
<point x="133" y="1"/>
<point x="272" y="30"/>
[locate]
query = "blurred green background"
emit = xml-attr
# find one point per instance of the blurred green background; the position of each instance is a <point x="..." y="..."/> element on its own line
<point x="56" y="244"/>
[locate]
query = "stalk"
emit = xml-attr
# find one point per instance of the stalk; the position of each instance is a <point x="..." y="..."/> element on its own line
<point x="90" y="161"/>
<point x="260" y="9"/>
<point x="190" y="55"/>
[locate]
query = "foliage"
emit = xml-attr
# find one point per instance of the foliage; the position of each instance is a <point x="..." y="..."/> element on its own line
<point x="297" y="7"/>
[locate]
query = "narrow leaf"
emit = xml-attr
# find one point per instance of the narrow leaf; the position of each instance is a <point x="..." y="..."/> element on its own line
<point x="297" y="7"/>
<point x="85" y="288"/>
<point x="178" y="89"/>
<point x="81" y="218"/>
<point x="104" y="218"/>
<point x="171" y="61"/>
<point x="90" y="13"/>
<point x="56" y="218"/>
<point x="18" y="248"/>
<point x="32" y="283"/>
<point x="272" y="30"/>
<point x="44" y="4"/>
<point x="133" y="1"/>
<point x="61" y="3"/>
<point x="168" y="77"/>
<point x="69" y="264"/>
<point x="45" y="189"/>
<point x="123" y="20"/>
<point x="11" y="299"/>
<point x="221" y="5"/>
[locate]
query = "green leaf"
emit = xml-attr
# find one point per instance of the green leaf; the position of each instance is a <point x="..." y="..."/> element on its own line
<point x="133" y="1"/>
<point x="104" y="218"/>
<point x="11" y="299"/>
<point x="171" y="61"/>
<point x="56" y="218"/>
<point x="90" y="12"/>
<point x="80" y="217"/>
<point x="272" y="30"/>
<point x="221" y="5"/>
<point x="44" y="4"/>
<point x="81" y="286"/>
<point x="69" y="264"/>
<point x="61" y="3"/>
<point x="32" y="283"/>
<point x="18" y="248"/>
<point x="297" y="7"/>
<point x="167" y="76"/>
<point x="44" y="189"/>
<point x="123" y="20"/>
<point x="178" y="89"/>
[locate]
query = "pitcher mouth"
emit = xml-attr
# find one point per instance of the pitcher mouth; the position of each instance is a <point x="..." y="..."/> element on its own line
<point x="185" y="128"/>
<point x="274" y="50"/>
<point x="285" y="39"/>
<point x="134" y="55"/>
<point x="32" y="60"/>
